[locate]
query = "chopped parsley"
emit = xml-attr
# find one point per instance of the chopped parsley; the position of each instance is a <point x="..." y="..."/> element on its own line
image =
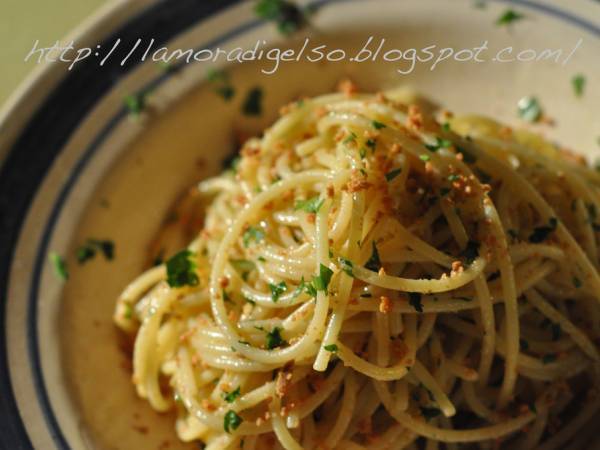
<point x="331" y="348"/>
<point x="135" y="103"/>
<point x="351" y="138"/>
<point x="243" y="267"/>
<point x="378" y="125"/>
<point x="424" y="157"/>
<point x="371" y="143"/>
<point x="392" y="174"/>
<point x="414" y="300"/>
<point x="374" y="263"/>
<point x="60" y="266"/>
<point x="446" y="126"/>
<point x="549" y="358"/>
<point x="578" y="83"/>
<point x="252" y="105"/>
<point x="312" y="205"/>
<point x="181" y="269"/>
<point x="88" y="250"/>
<point x="529" y="109"/>
<point x="347" y="266"/>
<point x="288" y="17"/>
<point x="277" y="290"/>
<point x="231" y="421"/>
<point x="362" y="153"/>
<point x="540" y="234"/>
<point x="222" y="85"/>
<point x="321" y="282"/>
<point x="429" y="413"/>
<point x="509" y="16"/>
<point x="230" y="397"/>
<point x="440" y="143"/>
<point x="577" y="283"/>
<point x="255" y="234"/>
<point x="274" y="339"/>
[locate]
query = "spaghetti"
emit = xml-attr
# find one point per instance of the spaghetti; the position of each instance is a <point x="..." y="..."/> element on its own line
<point x="375" y="275"/>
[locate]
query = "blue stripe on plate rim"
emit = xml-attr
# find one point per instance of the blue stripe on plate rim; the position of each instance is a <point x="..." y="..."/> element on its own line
<point x="40" y="260"/>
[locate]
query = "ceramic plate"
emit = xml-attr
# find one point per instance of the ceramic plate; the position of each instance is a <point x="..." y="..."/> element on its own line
<point x="76" y="165"/>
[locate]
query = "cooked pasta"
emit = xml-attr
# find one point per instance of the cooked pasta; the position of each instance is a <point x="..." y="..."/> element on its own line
<point x="378" y="274"/>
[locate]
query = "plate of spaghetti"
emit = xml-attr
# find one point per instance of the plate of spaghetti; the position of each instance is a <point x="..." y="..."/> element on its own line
<point x="329" y="256"/>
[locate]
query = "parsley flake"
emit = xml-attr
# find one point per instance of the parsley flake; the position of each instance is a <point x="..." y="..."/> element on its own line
<point x="378" y="125"/>
<point x="181" y="269"/>
<point x="252" y="105"/>
<point x="230" y="397"/>
<point x="288" y="17"/>
<point x="321" y="282"/>
<point x="440" y="143"/>
<point x="135" y="103"/>
<point x="374" y="263"/>
<point x="312" y="205"/>
<point x="509" y="16"/>
<point x="529" y="109"/>
<point x="347" y="266"/>
<point x="578" y="83"/>
<point x="231" y="421"/>
<point x="331" y="348"/>
<point x="60" y="266"/>
<point x="274" y="339"/>
<point x="540" y="234"/>
<point x="255" y="234"/>
<point x="392" y="174"/>
<point x="277" y="290"/>
<point x="88" y="250"/>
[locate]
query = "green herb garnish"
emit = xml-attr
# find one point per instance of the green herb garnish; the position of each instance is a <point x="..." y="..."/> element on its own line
<point x="288" y="17"/>
<point x="252" y="105"/>
<point x="243" y="267"/>
<point x="312" y="205"/>
<point x="374" y="263"/>
<point x="509" y="16"/>
<point x="378" y="125"/>
<point x="331" y="348"/>
<point x="277" y="290"/>
<point x="222" y="85"/>
<point x="253" y="234"/>
<point x="578" y="83"/>
<point x="549" y="358"/>
<point x="540" y="234"/>
<point x="181" y="269"/>
<point x="392" y="174"/>
<point x="135" y="103"/>
<point x="440" y="143"/>
<point x="529" y="109"/>
<point x="274" y="339"/>
<point x="577" y="283"/>
<point x="230" y="397"/>
<point x="321" y="282"/>
<point x="231" y="421"/>
<point x="60" y="266"/>
<point x="424" y="157"/>
<point x="347" y="266"/>
<point x="88" y="250"/>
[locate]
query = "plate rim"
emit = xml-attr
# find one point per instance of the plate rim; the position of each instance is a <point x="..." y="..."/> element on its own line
<point x="144" y="7"/>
